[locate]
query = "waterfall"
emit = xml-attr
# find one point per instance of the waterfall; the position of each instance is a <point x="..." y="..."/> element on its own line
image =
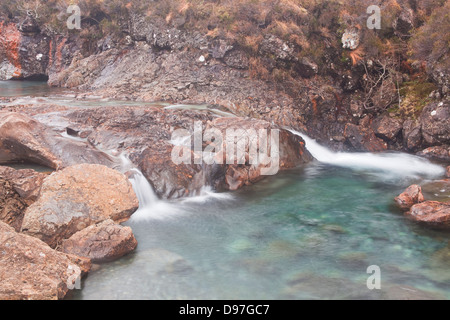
<point x="391" y="163"/>
<point x="144" y="191"/>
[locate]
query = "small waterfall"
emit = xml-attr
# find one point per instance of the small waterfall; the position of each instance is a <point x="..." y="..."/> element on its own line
<point x="391" y="163"/>
<point x="151" y="207"/>
<point x="144" y="191"/>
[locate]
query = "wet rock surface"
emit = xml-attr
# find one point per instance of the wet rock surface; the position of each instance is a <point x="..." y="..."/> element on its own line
<point x="431" y="213"/>
<point x="411" y="196"/>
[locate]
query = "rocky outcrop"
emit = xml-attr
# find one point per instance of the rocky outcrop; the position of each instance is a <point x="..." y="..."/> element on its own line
<point x="431" y="213"/>
<point x="145" y="133"/>
<point x="435" y="121"/>
<point x="26" y="50"/>
<point x="387" y="128"/>
<point x="102" y="242"/>
<point x="31" y="270"/>
<point x="77" y="197"/>
<point x="362" y="136"/>
<point x="411" y="196"/>
<point x="412" y="135"/>
<point x="25" y="139"/>
<point x="437" y="153"/>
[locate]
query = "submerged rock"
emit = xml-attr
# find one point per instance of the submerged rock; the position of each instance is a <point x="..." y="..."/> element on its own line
<point x="104" y="241"/>
<point x="31" y="270"/>
<point x="77" y="197"/>
<point x="432" y="213"/>
<point x="411" y="196"/>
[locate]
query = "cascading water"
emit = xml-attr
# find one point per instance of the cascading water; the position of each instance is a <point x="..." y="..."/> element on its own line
<point x="389" y="164"/>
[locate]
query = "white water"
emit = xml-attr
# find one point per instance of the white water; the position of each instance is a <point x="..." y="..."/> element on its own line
<point x="391" y="164"/>
<point x="151" y="207"/>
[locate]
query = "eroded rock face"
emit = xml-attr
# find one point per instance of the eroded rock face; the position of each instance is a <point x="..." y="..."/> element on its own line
<point x="77" y="197"/>
<point x="432" y="213"/>
<point x="411" y="196"/>
<point x="31" y="270"/>
<point x="105" y="241"/>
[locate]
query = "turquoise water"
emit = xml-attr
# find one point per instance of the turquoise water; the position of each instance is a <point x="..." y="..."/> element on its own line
<point x="305" y="234"/>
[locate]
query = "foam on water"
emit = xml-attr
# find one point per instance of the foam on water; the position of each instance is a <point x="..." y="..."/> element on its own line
<point x="391" y="165"/>
<point x="151" y="207"/>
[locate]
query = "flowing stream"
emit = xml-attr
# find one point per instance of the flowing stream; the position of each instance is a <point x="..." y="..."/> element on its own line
<point x="308" y="233"/>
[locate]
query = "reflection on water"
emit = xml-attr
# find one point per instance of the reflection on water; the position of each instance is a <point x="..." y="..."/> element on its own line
<point x="307" y="234"/>
<point x="19" y="88"/>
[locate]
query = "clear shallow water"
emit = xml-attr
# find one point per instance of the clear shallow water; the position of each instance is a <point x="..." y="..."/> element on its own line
<point x="306" y="234"/>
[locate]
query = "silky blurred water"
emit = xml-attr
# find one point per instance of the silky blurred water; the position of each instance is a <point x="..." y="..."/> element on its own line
<point x="305" y="234"/>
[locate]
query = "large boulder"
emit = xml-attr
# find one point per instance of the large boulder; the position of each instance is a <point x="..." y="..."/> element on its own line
<point x="77" y="197"/>
<point x="435" y="121"/>
<point x="101" y="242"/>
<point x="432" y="213"/>
<point x="411" y="196"/>
<point x="386" y="127"/>
<point x="31" y="270"/>
<point x="25" y="139"/>
<point x="412" y="135"/>
<point x="447" y="173"/>
<point x="362" y="137"/>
